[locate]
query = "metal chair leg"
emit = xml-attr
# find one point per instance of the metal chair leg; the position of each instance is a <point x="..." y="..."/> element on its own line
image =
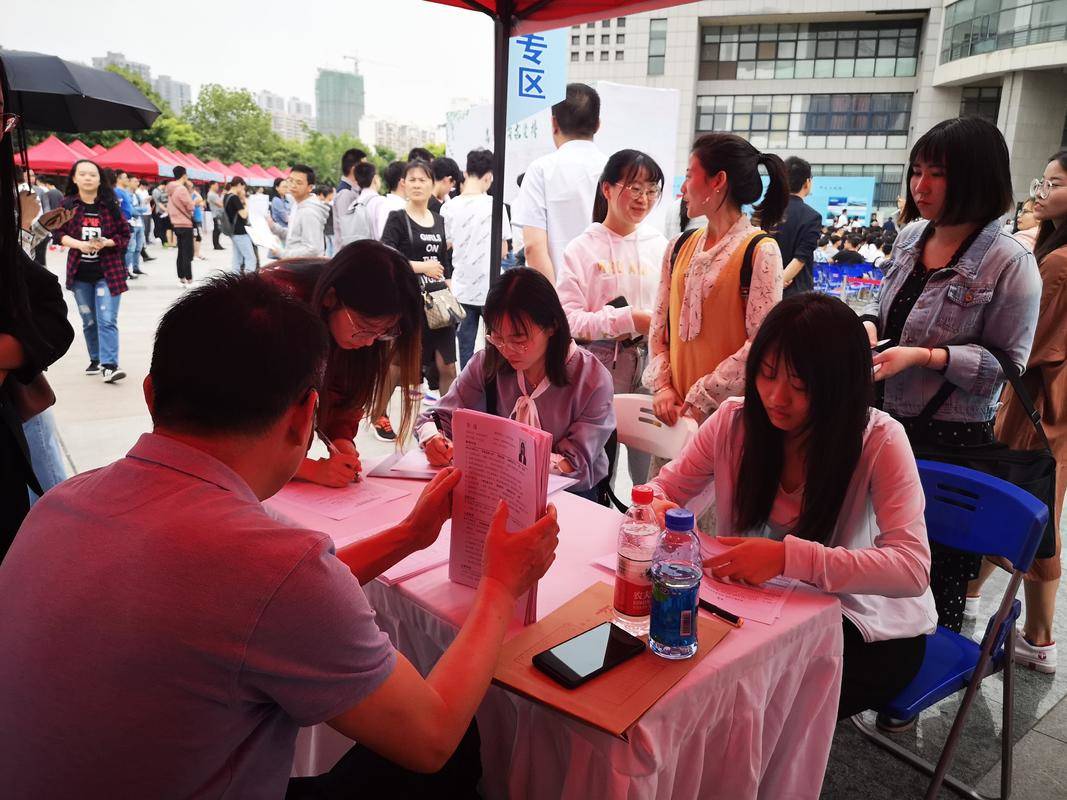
<point x="1007" y="739"/>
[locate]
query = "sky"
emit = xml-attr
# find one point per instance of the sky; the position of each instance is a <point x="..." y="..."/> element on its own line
<point x="415" y="56"/>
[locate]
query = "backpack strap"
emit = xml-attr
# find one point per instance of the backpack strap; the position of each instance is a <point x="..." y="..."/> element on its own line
<point x="678" y="244"/>
<point x="746" y="263"/>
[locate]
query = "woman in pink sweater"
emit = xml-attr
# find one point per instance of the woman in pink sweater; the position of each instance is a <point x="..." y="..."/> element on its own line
<point x="816" y="485"/>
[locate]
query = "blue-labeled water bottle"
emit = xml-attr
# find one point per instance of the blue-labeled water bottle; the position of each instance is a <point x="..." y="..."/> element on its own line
<point x="676" y="573"/>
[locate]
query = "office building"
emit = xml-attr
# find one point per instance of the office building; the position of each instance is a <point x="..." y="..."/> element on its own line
<point x="290" y="119"/>
<point x="849" y="91"/>
<point x="119" y="60"/>
<point x="177" y="94"/>
<point x="338" y="101"/>
<point x="399" y="137"/>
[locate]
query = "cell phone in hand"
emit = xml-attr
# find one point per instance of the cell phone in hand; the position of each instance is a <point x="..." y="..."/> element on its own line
<point x="583" y="657"/>
<point x="618" y="302"/>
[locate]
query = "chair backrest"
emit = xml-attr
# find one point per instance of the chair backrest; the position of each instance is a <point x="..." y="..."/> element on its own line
<point x="975" y="512"/>
<point x="638" y="427"/>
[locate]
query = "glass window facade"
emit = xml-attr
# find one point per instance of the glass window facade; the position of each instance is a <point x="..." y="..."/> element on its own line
<point x="889" y="178"/>
<point x="810" y="50"/>
<point x="810" y="121"/>
<point x="657" y="46"/>
<point x="981" y="101"/>
<point x="981" y="26"/>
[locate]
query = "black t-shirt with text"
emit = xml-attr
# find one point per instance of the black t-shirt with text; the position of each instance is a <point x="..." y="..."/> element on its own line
<point x="89" y="269"/>
<point x="418" y="243"/>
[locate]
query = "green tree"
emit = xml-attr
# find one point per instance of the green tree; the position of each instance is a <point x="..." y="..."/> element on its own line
<point x="323" y="153"/>
<point x="384" y="154"/>
<point x="437" y="149"/>
<point x="233" y="127"/>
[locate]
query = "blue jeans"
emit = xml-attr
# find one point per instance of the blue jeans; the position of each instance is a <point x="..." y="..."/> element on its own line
<point x="467" y="333"/>
<point x="100" y="320"/>
<point x="133" y="249"/>
<point x="45" y="455"/>
<point x="244" y="258"/>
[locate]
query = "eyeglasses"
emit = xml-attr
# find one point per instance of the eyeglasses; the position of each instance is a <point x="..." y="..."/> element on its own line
<point x="7" y="124"/>
<point x="519" y="344"/>
<point x="1040" y="188"/>
<point x="388" y="335"/>
<point x="637" y="191"/>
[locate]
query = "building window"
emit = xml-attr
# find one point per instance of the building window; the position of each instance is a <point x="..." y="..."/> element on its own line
<point x="620" y="38"/>
<point x="810" y="50"/>
<point x="588" y="55"/>
<point x="604" y="55"/>
<point x="810" y="121"/>
<point x="576" y="40"/>
<point x="981" y="101"/>
<point x="590" y="40"/>
<point x="605" y="39"/>
<point x="888" y="178"/>
<point x="605" y="23"/>
<point x="574" y="55"/>
<point x="590" y="24"/>
<point x="972" y="27"/>
<point x="657" y="46"/>
<point x="618" y="55"/>
<point x="620" y="22"/>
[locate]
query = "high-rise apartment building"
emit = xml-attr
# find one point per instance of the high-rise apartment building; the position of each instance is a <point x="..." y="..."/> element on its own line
<point x="848" y="90"/>
<point x="290" y="119"/>
<point x="338" y="101"/>
<point x="177" y="94"/>
<point x="119" y="60"/>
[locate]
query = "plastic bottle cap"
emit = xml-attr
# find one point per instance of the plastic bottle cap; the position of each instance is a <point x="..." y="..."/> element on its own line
<point x="679" y="519"/>
<point x="641" y="495"/>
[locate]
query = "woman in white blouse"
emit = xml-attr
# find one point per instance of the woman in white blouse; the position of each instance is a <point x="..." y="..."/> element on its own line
<point x="816" y="485"/>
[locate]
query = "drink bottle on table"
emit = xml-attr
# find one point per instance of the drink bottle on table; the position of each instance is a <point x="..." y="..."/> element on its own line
<point x="676" y="572"/>
<point x="638" y="536"/>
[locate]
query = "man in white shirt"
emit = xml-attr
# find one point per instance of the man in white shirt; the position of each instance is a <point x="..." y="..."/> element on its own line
<point x="392" y="201"/>
<point x="306" y="234"/>
<point x="555" y="203"/>
<point x="468" y="226"/>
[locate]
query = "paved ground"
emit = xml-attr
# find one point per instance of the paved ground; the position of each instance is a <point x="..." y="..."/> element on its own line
<point x="98" y="423"/>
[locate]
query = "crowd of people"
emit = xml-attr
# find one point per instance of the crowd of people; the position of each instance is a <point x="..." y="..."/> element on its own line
<point x="808" y="417"/>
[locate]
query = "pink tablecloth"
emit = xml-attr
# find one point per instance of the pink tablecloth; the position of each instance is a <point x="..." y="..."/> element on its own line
<point x="754" y="719"/>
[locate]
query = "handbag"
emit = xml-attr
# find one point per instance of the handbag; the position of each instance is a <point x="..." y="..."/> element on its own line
<point x="440" y="305"/>
<point x="1033" y="471"/>
<point x="30" y="399"/>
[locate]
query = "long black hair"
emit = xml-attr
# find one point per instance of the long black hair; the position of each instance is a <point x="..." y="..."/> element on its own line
<point x="105" y="192"/>
<point x="14" y="296"/>
<point x="623" y="167"/>
<point x="837" y="378"/>
<point x="1049" y="237"/>
<point x="525" y="296"/>
<point x="740" y="160"/>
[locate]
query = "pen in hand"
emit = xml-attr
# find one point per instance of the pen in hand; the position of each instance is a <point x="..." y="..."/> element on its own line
<point x="331" y="447"/>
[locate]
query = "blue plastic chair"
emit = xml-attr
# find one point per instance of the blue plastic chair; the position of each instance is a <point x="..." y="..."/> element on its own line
<point x="977" y="513"/>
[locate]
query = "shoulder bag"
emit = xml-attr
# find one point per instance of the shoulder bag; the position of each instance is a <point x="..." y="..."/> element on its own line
<point x="441" y="307"/>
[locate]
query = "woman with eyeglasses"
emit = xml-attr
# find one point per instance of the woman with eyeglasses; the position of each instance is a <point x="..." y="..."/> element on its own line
<point x="607" y="283"/>
<point x="1026" y="225"/>
<point x="369" y="298"/>
<point x="955" y="285"/>
<point x="34" y="331"/>
<point x="1046" y="380"/>
<point x="532" y="371"/>
<point x="718" y="282"/>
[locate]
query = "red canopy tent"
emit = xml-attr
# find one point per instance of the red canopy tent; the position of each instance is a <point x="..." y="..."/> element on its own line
<point x="511" y="17"/>
<point x="257" y="170"/>
<point x="215" y="174"/>
<point x="130" y="156"/>
<point x="99" y="149"/>
<point x="217" y="166"/>
<point x="277" y="173"/>
<point x="82" y="149"/>
<point x="168" y="164"/>
<point x="53" y="155"/>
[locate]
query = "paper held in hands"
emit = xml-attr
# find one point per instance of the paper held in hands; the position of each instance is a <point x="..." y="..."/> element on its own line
<point x="499" y="459"/>
<point x="413" y="465"/>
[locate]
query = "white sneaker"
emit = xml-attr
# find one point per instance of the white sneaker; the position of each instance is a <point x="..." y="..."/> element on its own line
<point x="112" y="374"/>
<point x="971" y="607"/>
<point x="1039" y="658"/>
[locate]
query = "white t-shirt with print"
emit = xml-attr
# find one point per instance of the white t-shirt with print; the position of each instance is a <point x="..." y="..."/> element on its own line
<point x="468" y="226"/>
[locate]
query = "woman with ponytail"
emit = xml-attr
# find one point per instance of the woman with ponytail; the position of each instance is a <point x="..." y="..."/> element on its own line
<point x="717" y="282"/>
<point x="34" y="333"/>
<point x="607" y="283"/>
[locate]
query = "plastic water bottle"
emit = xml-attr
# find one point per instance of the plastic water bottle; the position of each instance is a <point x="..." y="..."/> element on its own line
<point x="676" y="573"/>
<point x="638" y="535"/>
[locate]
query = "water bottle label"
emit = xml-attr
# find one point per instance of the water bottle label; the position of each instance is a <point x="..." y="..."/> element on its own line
<point x="633" y="587"/>
<point x="673" y="612"/>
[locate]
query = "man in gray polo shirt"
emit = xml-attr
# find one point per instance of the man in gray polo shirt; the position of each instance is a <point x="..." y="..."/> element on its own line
<point x="164" y="638"/>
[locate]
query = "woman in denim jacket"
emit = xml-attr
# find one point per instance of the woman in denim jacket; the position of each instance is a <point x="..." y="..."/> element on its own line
<point x="955" y="285"/>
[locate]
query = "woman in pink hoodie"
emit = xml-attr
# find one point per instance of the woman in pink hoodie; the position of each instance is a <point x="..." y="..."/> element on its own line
<point x="607" y="284"/>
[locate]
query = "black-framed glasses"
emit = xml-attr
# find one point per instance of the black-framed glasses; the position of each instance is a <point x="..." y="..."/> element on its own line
<point x="8" y="123"/>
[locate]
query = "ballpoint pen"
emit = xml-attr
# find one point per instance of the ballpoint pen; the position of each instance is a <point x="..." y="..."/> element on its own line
<point x="330" y="446"/>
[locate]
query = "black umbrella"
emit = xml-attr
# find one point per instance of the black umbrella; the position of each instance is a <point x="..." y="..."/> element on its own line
<point x="51" y="94"/>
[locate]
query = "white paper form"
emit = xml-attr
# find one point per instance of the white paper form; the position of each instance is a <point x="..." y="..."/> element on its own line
<point x="499" y="459"/>
<point x="420" y="561"/>
<point x="338" y="503"/>
<point x="413" y="465"/>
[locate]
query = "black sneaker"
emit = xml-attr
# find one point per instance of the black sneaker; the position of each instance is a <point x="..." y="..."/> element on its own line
<point x="93" y="368"/>
<point x="147" y="257"/>
<point x="111" y="373"/>
<point x="383" y="429"/>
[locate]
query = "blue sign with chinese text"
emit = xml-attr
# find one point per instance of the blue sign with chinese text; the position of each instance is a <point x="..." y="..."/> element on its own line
<point x="537" y="72"/>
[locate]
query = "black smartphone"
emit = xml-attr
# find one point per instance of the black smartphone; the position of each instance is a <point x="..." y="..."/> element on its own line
<point x="618" y="302"/>
<point x="583" y="657"/>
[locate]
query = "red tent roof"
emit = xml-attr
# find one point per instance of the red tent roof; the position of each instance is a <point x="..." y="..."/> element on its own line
<point x="262" y="173"/>
<point x="130" y="156"/>
<point x="99" y="149"/>
<point x="240" y="170"/>
<point x="52" y="155"/>
<point x="217" y="166"/>
<point x="216" y="174"/>
<point x="155" y="152"/>
<point x="277" y="173"/>
<point x="82" y="149"/>
<point x="558" y="13"/>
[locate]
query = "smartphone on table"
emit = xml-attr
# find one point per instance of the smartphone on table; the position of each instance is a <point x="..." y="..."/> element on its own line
<point x="583" y="657"/>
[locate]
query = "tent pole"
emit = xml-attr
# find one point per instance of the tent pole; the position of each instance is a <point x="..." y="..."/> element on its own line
<point x="502" y="29"/>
